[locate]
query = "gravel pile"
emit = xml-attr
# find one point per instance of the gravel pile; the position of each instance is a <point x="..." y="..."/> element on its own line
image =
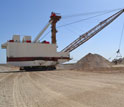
<point x="92" y="61"/>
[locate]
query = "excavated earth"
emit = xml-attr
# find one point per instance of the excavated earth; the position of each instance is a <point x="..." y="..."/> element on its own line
<point x="61" y="88"/>
<point x="92" y="61"/>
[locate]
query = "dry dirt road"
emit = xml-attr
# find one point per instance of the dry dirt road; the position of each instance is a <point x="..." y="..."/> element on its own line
<point x="61" y="89"/>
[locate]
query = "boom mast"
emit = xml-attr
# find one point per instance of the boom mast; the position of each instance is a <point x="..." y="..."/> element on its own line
<point x="92" y="32"/>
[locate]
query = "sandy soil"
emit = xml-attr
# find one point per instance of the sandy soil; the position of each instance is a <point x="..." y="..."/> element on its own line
<point x="5" y="68"/>
<point x="61" y="89"/>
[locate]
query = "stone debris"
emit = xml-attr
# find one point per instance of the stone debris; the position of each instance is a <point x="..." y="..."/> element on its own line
<point x="92" y="61"/>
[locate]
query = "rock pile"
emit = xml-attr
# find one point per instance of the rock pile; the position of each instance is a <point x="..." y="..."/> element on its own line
<point x="92" y="61"/>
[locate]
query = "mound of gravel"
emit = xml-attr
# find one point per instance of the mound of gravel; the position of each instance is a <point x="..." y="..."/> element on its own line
<point x="92" y="61"/>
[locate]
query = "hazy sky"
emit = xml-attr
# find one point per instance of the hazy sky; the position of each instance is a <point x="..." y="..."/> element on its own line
<point x="28" y="17"/>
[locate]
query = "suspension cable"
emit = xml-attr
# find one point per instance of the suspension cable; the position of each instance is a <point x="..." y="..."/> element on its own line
<point x="89" y="13"/>
<point x="45" y="35"/>
<point x="84" y="19"/>
<point x="106" y="12"/>
<point x="121" y="37"/>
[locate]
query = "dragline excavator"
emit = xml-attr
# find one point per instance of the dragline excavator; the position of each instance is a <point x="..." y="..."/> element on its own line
<point x="29" y="54"/>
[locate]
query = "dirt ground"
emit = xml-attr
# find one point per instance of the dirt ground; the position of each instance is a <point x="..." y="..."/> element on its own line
<point x="61" y="89"/>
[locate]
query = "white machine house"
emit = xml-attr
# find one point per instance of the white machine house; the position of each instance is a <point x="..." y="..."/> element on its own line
<point x="34" y="54"/>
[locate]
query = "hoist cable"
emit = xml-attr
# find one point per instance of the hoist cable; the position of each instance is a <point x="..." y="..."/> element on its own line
<point x="121" y="36"/>
<point x="83" y="19"/>
<point x="45" y="35"/>
<point x="89" y="13"/>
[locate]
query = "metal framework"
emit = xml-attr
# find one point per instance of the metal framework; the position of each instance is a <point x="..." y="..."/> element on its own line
<point x="86" y="36"/>
<point x="53" y="20"/>
<point x="42" y="31"/>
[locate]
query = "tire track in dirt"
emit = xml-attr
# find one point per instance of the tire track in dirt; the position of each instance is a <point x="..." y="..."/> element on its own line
<point x="104" y="94"/>
<point x="73" y="92"/>
<point x="61" y="89"/>
<point x="57" y="99"/>
<point x="5" y="76"/>
<point x="28" y="91"/>
<point x="17" y="97"/>
<point x="6" y="85"/>
<point x="73" y="83"/>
